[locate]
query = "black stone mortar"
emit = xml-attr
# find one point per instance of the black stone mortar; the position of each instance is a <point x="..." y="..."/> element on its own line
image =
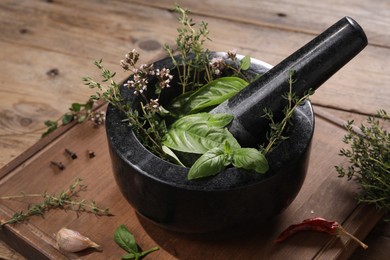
<point x="161" y="192"/>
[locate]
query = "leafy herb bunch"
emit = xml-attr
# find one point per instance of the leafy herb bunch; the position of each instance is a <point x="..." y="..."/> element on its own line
<point x="369" y="158"/>
<point x="183" y="125"/>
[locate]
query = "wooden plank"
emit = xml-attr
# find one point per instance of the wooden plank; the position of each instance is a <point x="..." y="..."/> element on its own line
<point x="297" y="16"/>
<point x="323" y="194"/>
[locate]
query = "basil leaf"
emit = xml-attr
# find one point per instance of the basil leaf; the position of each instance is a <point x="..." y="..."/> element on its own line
<point x="245" y="63"/>
<point x="199" y="133"/>
<point x="213" y="93"/>
<point x="125" y="239"/>
<point x="172" y="155"/>
<point x="250" y="159"/>
<point x="209" y="164"/>
<point x="178" y="103"/>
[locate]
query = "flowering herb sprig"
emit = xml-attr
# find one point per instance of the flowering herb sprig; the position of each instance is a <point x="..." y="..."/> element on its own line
<point x="192" y="64"/>
<point x="150" y="126"/>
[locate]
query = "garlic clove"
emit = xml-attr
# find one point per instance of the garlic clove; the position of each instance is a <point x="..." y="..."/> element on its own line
<point x="72" y="241"/>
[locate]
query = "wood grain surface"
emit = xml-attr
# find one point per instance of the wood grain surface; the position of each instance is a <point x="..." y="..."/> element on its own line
<point x="47" y="46"/>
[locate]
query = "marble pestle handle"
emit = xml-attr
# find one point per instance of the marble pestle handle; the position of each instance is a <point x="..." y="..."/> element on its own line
<point x="313" y="64"/>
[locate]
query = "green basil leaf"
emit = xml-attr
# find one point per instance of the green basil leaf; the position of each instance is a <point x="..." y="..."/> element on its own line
<point x="199" y="133"/>
<point x="169" y="152"/>
<point x="125" y="239"/>
<point x="250" y="159"/>
<point x="213" y="93"/>
<point x="209" y="164"/>
<point x="178" y="103"/>
<point x="245" y="63"/>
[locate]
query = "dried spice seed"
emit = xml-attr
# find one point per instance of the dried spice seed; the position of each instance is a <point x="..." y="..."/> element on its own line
<point x="59" y="165"/>
<point x="71" y="154"/>
<point x="91" y="154"/>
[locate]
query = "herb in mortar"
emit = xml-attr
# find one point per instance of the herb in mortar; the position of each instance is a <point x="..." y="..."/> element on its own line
<point x="184" y="125"/>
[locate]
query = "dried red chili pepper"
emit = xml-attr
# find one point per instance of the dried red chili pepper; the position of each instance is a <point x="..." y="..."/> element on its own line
<point x="319" y="225"/>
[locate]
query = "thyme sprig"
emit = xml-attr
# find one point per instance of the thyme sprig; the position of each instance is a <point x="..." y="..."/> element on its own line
<point x="193" y="65"/>
<point x="149" y="126"/>
<point x="277" y="128"/>
<point x="369" y="160"/>
<point x="64" y="200"/>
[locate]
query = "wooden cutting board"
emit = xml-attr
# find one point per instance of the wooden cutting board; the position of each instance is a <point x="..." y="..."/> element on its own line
<point x="323" y="194"/>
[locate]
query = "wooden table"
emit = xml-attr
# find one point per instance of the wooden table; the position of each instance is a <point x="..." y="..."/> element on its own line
<point x="47" y="46"/>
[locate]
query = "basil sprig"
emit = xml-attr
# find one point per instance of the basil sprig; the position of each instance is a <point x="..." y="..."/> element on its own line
<point x="125" y="239"/>
<point x="206" y="134"/>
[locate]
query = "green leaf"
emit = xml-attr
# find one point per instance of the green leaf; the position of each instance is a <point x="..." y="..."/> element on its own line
<point x="51" y="126"/>
<point x="213" y="93"/>
<point x="199" y="133"/>
<point x="89" y="105"/>
<point x="125" y="239"/>
<point x="50" y="123"/>
<point x="178" y="103"/>
<point x="75" y="107"/>
<point x="250" y="159"/>
<point x="67" y="118"/>
<point x="171" y="154"/>
<point x="209" y="164"/>
<point x="245" y="63"/>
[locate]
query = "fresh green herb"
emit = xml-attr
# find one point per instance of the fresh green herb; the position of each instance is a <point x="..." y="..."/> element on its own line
<point x="64" y="200"/>
<point x="245" y="63"/>
<point x="204" y="85"/>
<point x="150" y="126"/>
<point x="277" y="129"/>
<point x="125" y="239"/>
<point x="198" y="133"/>
<point x="192" y="65"/>
<point x="369" y="158"/>
<point x="217" y="159"/>
<point x="206" y="134"/>
<point x="211" y="94"/>
<point x="77" y="111"/>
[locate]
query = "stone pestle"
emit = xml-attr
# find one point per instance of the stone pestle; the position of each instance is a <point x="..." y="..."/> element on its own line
<point x="312" y="64"/>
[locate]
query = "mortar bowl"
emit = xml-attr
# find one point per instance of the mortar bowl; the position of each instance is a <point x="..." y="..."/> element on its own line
<point x="160" y="191"/>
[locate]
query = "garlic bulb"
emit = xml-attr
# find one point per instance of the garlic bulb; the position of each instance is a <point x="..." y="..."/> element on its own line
<point x="72" y="241"/>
